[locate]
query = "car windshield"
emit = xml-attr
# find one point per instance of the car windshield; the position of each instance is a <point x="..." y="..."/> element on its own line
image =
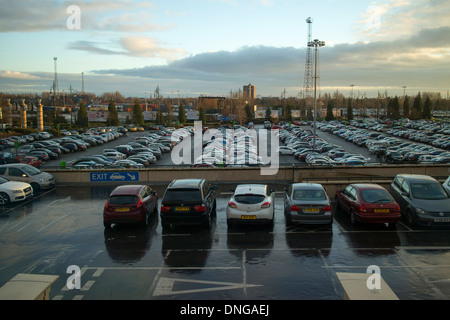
<point x="122" y="200"/>
<point x="249" y="198"/>
<point x="376" y="196"/>
<point x="428" y="191"/>
<point x="30" y="170"/>
<point x="309" y="195"/>
<point x="187" y="195"/>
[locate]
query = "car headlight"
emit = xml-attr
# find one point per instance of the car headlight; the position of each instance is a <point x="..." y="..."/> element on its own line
<point x="17" y="191"/>
<point x="421" y="211"/>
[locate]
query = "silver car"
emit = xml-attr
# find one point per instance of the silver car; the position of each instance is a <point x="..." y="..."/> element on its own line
<point x="307" y="203"/>
<point x="38" y="179"/>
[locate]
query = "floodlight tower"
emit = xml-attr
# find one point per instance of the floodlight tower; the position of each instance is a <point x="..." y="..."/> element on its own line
<point x="55" y="83"/>
<point x="308" y="81"/>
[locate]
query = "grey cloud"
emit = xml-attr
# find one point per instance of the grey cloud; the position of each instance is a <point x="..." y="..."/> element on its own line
<point x="93" y="47"/>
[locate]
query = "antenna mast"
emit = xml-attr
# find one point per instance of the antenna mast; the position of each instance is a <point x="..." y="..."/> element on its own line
<point x="308" y="81"/>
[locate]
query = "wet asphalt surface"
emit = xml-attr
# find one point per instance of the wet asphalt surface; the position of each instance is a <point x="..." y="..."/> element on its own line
<point x="63" y="227"/>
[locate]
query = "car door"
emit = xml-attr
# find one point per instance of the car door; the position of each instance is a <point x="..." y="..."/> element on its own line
<point x="287" y="198"/>
<point x="152" y="199"/>
<point x="345" y="198"/>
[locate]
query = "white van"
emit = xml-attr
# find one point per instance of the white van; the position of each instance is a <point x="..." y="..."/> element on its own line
<point x="38" y="179"/>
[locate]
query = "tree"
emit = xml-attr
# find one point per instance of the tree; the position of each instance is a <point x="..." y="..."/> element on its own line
<point x="113" y="116"/>
<point x="159" y="116"/>
<point x="137" y="116"/>
<point x="288" y="115"/>
<point x="426" y="113"/>
<point x="248" y="112"/>
<point x="269" y="114"/>
<point x="394" y="108"/>
<point x="406" y="107"/>
<point x="350" y="109"/>
<point x="202" y="115"/>
<point x="329" y="115"/>
<point x="181" y="114"/>
<point x="416" y="112"/>
<point x="82" y="117"/>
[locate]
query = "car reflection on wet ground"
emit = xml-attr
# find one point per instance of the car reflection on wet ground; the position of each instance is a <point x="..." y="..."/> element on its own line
<point x="63" y="227"/>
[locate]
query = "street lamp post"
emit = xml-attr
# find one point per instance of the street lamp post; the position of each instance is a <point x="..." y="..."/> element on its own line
<point x="316" y="44"/>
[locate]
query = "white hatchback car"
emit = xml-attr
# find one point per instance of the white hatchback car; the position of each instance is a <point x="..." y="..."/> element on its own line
<point x="251" y="204"/>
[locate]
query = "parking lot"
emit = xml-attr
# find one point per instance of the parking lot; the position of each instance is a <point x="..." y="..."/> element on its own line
<point x="63" y="227"/>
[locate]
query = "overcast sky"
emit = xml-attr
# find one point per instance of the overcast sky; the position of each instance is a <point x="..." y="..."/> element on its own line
<point x="213" y="47"/>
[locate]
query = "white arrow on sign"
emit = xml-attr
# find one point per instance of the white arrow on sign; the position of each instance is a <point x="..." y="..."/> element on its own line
<point x="165" y="286"/>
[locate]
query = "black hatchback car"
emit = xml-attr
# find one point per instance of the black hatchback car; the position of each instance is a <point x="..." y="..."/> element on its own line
<point x="188" y="202"/>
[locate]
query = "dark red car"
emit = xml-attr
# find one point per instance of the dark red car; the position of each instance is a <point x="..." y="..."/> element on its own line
<point x="32" y="161"/>
<point x="130" y="204"/>
<point x="369" y="203"/>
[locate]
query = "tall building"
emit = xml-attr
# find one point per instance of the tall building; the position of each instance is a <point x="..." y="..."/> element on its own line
<point x="249" y="92"/>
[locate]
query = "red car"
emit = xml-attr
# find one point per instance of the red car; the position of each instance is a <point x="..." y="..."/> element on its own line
<point x="32" y="161"/>
<point x="369" y="203"/>
<point x="130" y="204"/>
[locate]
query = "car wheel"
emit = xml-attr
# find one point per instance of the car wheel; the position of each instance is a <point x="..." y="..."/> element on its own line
<point x="353" y="218"/>
<point x="164" y="224"/>
<point x="409" y="217"/>
<point x="36" y="187"/>
<point x="107" y="225"/>
<point x="4" y="198"/>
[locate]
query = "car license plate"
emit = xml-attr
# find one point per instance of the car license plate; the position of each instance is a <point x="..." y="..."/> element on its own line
<point x="380" y="210"/>
<point x="441" y="219"/>
<point x="311" y="210"/>
<point x="122" y="209"/>
<point x="248" y="217"/>
<point x="182" y="209"/>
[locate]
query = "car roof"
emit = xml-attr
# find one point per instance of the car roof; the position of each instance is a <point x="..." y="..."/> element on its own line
<point x="127" y="190"/>
<point x="185" y="183"/>
<point x="417" y="178"/>
<point x="307" y="185"/>
<point x="366" y="186"/>
<point x="250" y="188"/>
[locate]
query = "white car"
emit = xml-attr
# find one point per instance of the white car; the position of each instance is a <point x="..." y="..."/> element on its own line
<point x="114" y="155"/>
<point x="286" y="150"/>
<point x="13" y="191"/>
<point x="251" y="204"/>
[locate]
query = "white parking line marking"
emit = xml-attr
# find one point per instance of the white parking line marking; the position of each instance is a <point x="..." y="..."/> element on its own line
<point x="165" y="286"/>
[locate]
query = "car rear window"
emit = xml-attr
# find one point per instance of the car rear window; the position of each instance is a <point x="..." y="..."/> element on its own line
<point x="122" y="200"/>
<point x="309" y="195"/>
<point x="249" y="198"/>
<point x="376" y="196"/>
<point x="186" y="195"/>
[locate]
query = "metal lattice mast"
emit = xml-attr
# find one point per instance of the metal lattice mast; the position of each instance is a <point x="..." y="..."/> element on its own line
<point x="308" y="81"/>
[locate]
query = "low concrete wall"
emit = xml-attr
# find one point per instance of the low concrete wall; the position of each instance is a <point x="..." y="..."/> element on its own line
<point x="331" y="176"/>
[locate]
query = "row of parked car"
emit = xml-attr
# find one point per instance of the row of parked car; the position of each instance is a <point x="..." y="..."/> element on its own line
<point x="313" y="150"/>
<point x="391" y="144"/>
<point x="142" y="152"/>
<point x="419" y="199"/>
<point x="231" y="146"/>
